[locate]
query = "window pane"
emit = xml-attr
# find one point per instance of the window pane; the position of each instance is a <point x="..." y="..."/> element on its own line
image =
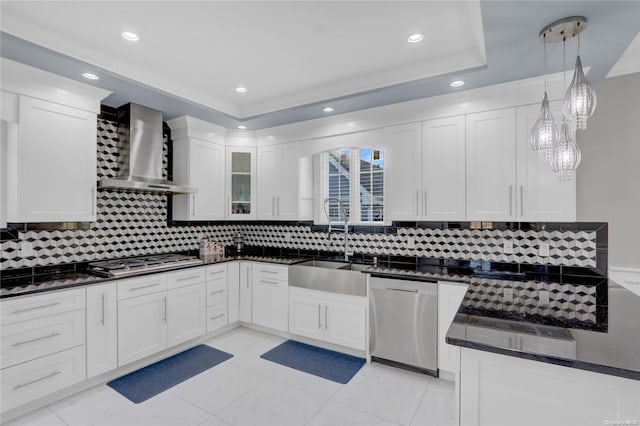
<point x="365" y="159"/>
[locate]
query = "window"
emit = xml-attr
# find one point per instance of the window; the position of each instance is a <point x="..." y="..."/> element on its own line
<point x="355" y="177"/>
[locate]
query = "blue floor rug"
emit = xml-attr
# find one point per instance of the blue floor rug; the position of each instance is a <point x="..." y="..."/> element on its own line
<point x="320" y="362"/>
<point x="149" y="381"/>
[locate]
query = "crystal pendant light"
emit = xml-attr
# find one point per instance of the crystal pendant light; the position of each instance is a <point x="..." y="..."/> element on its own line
<point x="544" y="133"/>
<point x="580" y="100"/>
<point x="565" y="157"/>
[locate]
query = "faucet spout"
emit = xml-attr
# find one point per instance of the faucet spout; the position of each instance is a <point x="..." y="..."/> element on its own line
<point x="346" y="225"/>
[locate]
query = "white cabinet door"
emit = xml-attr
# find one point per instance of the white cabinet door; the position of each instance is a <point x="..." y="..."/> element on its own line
<point x="102" y="329"/>
<point x="403" y="191"/>
<point x="53" y="138"/>
<point x="450" y="297"/>
<point x="186" y="313"/>
<point x="344" y="324"/>
<point x="142" y="326"/>
<point x="241" y="183"/>
<point x="267" y="182"/>
<point x="491" y="165"/>
<point x="305" y="316"/>
<point x="443" y="169"/>
<point x="199" y="164"/>
<point x="542" y="196"/>
<point x="287" y="183"/>
<point x="233" y="292"/>
<point x="246" y="300"/>
<point x="271" y="303"/>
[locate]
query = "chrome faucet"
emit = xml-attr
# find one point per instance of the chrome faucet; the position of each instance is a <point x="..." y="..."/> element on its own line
<point x="346" y="226"/>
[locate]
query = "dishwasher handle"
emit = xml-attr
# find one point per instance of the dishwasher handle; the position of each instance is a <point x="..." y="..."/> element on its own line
<point x="407" y="290"/>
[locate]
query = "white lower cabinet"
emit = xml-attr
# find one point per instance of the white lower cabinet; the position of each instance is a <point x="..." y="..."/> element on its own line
<point x="185" y="313"/>
<point x="330" y="317"/>
<point x="450" y="295"/>
<point x="500" y="390"/>
<point x="246" y="298"/>
<point x="43" y="376"/>
<point x="142" y="326"/>
<point x="270" y="296"/>
<point x="102" y="329"/>
<point x="217" y="277"/>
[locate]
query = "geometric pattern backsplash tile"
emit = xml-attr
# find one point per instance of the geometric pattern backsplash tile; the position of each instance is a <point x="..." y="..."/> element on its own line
<point x="133" y="224"/>
<point x="566" y="301"/>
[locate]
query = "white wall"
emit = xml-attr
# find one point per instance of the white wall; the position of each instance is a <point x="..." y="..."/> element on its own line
<point x="608" y="180"/>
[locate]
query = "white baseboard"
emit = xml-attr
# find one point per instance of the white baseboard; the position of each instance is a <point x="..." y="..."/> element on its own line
<point x="626" y="277"/>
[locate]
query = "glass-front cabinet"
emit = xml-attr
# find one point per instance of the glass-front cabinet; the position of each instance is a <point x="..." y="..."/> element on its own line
<point x="241" y="169"/>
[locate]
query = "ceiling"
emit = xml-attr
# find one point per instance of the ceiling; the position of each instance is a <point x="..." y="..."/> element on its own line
<point x="295" y="57"/>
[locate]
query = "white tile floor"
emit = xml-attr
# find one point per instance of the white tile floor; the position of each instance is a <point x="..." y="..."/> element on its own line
<point x="247" y="390"/>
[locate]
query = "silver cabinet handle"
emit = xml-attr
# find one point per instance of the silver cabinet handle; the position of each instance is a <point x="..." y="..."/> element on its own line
<point x="269" y="282"/>
<point x="424" y="201"/>
<point x="37" y="339"/>
<point x="217" y="316"/>
<point x="521" y="200"/>
<point x="278" y="205"/>
<point x="248" y="270"/>
<point x="319" y="324"/>
<point x="216" y="272"/>
<point x="229" y="204"/>
<point x="326" y="317"/>
<point x="93" y="201"/>
<point x="18" y="311"/>
<point x="165" y="310"/>
<point x="21" y="385"/>
<point x="188" y="278"/>
<point x="510" y="200"/>
<point x="217" y="292"/>
<point x="104" y="307"/>
<point x="268" y="272"/>
<point x="417" y="201"/>
<point x="145" y="286"/>
<point x="414" y="290"/>
<point x="193" y="205"/>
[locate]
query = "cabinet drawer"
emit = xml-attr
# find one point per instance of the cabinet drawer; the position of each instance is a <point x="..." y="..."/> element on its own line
<point x="34" y="379"/>
<point x="41" y="305"/>
<point x="216" y="272"/>
<point x="270" y="282"/>
<point x="140" y="286"/>
<point x="187" y="277"/>
<point x="216" y="292"/>
<point x="216" y="317"/>
<point x="272" y="272"/>
<point x="24" y="341"/>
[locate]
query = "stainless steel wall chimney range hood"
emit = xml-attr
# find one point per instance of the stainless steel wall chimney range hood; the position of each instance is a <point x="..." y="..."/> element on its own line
<point x="140" y="153"/>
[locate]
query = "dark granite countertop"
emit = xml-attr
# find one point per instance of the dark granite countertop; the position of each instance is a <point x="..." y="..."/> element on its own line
<point x="595" y="328"/>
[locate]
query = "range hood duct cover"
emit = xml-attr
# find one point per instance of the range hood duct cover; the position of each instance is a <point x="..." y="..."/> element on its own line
<point x="140" y="144"/>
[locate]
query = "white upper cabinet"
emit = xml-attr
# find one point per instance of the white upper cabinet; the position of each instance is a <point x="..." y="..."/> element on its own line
<point x="403" y="151"/>
<point x="278" y="178"/>
<point x="426" y="170"/>
<point x="491" y="165"/>
<point x="241" y="183"/>
<point x="200" y="164"/>
<point x="50" y="151"/>
<point x="443" y="169"/>
<point x="542" y="196"/>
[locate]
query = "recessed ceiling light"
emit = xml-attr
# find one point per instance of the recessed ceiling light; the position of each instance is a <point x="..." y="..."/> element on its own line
<point x="242" y="127"/>
<point x="457" y="83"/>
<point x="415" y="38"/>
<point x="241" y="89"/>
<point x="90" y="76"/>
<point x="128" y="35"/>
<point x="327" y="109"/>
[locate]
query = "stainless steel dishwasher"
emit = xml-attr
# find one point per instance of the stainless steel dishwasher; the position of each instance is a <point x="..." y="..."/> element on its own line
<point x="404" y="323"/>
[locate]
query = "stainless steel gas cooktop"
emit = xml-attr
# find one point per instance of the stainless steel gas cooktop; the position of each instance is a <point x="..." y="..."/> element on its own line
<point x="137" y="265"/>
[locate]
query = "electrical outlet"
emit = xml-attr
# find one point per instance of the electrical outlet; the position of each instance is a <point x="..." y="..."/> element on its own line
<point x="26" y="249"/>
<point x="543" y="297"/>
<point x="411" y="242"/>
<point x="507" y="294"/>
<point x="543" y="251"/>
<point x="507" y="247"/>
